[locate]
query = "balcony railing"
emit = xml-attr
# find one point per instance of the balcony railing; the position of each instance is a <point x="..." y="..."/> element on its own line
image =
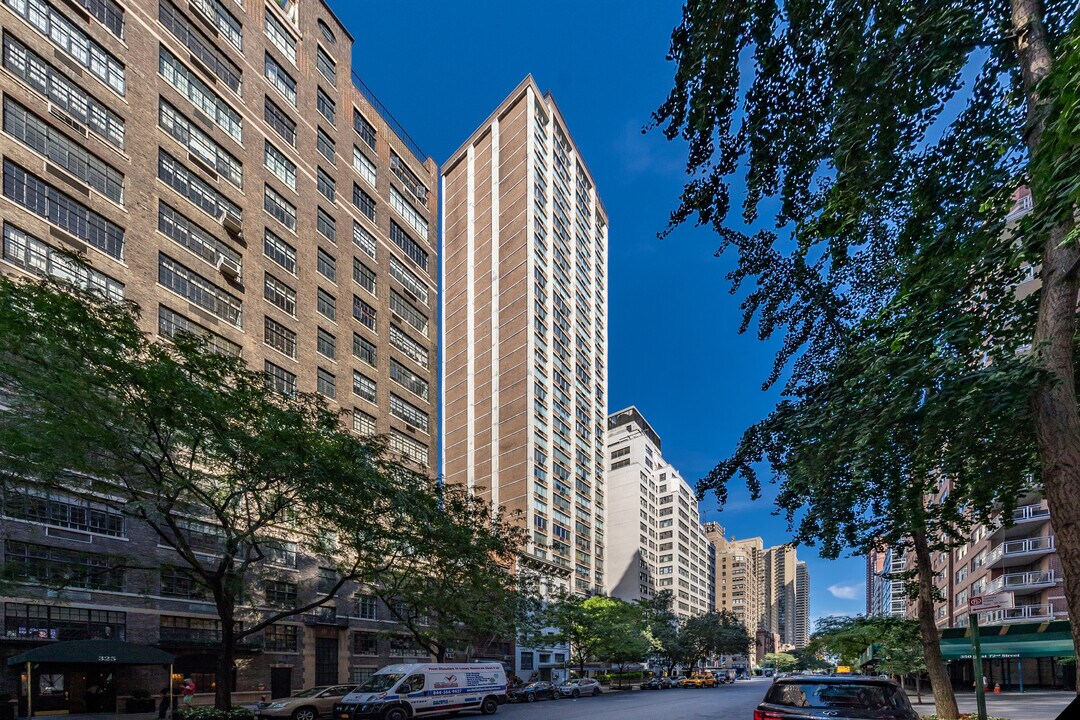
<point x="1027" y="513"/>
<point x="1024" y="205"/>
<point x="1024" y="580"/>
<point x="1020" y="613"/>
<point x="1025" y="546"/>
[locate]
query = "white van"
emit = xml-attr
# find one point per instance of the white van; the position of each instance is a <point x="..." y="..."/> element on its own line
<point x="399" y="692"/>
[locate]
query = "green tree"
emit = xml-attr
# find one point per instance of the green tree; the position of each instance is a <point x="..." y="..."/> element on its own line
<point x="668" y="645"/>
<point x="464" y="586"/>
<point x="896" y="642"/>
<point x="807" y="659"/>
<point x="781" y="661"/>
<point x="716" y="633"/>
<point x="890" y="138"/>
<point x="593" y="627"/>
<point x="236" y="479"/>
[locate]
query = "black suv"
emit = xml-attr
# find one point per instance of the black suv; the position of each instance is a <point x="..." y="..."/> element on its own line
<point x="815" y="697"/>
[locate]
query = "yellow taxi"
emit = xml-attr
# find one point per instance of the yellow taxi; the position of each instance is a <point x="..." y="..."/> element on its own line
<point x="700" y="679"/>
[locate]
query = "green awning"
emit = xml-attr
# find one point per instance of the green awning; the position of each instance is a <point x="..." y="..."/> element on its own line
<point x="1024" y="640"/>
<point x="94" y="652"/>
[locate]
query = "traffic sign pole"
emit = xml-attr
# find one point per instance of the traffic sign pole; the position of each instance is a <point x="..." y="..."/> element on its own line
<point x="976" y="661"/>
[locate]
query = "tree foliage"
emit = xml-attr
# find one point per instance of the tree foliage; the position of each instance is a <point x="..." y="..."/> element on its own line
<point x="781" y="661"/>
<point x="236" y="479"/>
<point x="596" y="628"/>
<point x="890" y="139"/>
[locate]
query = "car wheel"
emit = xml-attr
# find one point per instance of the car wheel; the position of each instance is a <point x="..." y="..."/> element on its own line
<point x="531" y="697"/>
<point x="556" y="694"/>
<point x="490" y="706"/>
<point x="305" y="713"/>
<point x="576" y="694"/>
<point x="595" y="692"/>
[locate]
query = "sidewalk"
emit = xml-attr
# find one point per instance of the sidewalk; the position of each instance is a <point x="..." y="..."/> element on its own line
<point x="1033" y="705"/>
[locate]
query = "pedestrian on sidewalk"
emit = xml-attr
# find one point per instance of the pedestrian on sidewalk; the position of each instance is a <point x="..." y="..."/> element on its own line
<point x="187" y="691"/>
<point x="163" y="705"/>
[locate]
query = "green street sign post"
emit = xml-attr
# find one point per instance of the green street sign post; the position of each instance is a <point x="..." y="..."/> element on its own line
<point x="976" y="605"/>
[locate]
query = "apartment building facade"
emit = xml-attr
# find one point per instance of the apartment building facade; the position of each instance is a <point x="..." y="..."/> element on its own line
<point x="740" y="577"/>
<point x="802" y="604"/>
<point x="787" y="612"/>
<point x="655" y="538"/>
<point x="885" y="590"/>
<point x="219" y="164"/>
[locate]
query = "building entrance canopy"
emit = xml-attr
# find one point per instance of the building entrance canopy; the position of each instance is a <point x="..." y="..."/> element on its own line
<point x="94" y="652"/>
<point x="1026" y="640"/>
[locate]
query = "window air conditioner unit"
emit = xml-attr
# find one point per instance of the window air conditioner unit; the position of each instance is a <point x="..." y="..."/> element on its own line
<point x="65" y="118"/>
<point x="228" y="267"/>
<point x="232" y="224"/>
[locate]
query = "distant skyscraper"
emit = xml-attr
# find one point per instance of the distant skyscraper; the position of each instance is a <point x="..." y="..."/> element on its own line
<point x="739" y="577"/>
<point x="525" y="334"/>
<point x="802" y="605"/>
<point x="656" y="540"/>
<point x="785" y="613"/>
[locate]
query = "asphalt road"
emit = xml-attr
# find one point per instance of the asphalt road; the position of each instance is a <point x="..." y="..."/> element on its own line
<point x="727" y="702"/>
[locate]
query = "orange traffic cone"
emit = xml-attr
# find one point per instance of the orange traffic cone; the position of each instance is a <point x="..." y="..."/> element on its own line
<point x="997" y="687"/>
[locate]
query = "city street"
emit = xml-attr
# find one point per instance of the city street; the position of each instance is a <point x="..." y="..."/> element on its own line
<point x="729" y="702"/>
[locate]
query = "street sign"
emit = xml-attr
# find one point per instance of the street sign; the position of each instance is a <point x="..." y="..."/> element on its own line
<point x="989" y="603"/>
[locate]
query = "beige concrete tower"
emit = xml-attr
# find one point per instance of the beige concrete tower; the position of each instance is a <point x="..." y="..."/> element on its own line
<point x="525" y="330"/>
<point x="740" y="576"/>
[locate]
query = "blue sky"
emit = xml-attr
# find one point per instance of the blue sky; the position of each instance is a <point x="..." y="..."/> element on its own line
<point x="674" y="348"/>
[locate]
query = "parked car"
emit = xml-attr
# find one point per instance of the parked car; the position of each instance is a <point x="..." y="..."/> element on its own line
<point x="661" y="682"/>
<point x="307" y="704"/>
<point x="399" y="692"/>
<point x="812" y="697"/>
<point x="531" y="692"/>
<point x="581" y="686"/>
<point x="700" y="680"/>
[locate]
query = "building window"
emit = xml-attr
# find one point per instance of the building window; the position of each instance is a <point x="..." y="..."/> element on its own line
<point x="280" y="208"/>
<point x="29" y="253"/>
<point x="326" y="304"/>
<point x="364" y="386"/>
<point x="280" y="638"/>
<point x="364" y="312"/>
<point x="170" y="323"/>
<point x="364" y="349"/>
<point x="326" y="146"/>
<point x="326" y="225"/>
<point x="200" y="95"/>
<point x="367" y="607"/>
<point x="41" y="137"/>
<point x="363" y="202"/>
<point x="279" y="379"/>
<point x="282" y="81"/>
<point x="326" y="383"/>
<point x="279" y="294"/>
<point x="180" y="582"/>
<point x="326" y="185"/>
<point x="201" y="48"/>
<point x="412" y="349"/>
<point x="189" y="235"/>
<point x="411" y="215"/>
<point x="225" y="22"/>
<point x="412" y="316"/>
<point x="326" y="344"/>
<point x="365" y="643"/>
<point x="364" y="276"/>
<point x="279" y="337"/>
<point x="325" y="104"/>
<point x="198" y="143"/>
<point x="279" y="251"/>
<point x="408" y="379"/>
<point x="364" y="167"/>
<point x="65" y="95"/>
<point x="63" y="211"/>
<point x="411" y="248"/>
<point x="408" y="447"/>
<point x="527" y="658"/>
<point x="70" y="513"/>
<point x="51" y="622"/>
<point x="281" y="38"/>
<point x="72" y="40"/>
<point x="408" y="280"/>
<point x="282" y="167"/>
<point x="279" y="121"/>
<point x="63" y="568"/>
<point x="364" y="129"/>
<point x="280" y="552"/>
<point x="364" y="240"/>
<point x="326" y="265"/>
<point x="199" y="290"/>
<point x="363" y="423"/>
<point x="280" y="594"/>
<point x="173" y="629"/>
<point x="326" y="65"/>
<point x="326" y="32"/>
<point x="408" y="412"/>
<point x="189" y="185"/>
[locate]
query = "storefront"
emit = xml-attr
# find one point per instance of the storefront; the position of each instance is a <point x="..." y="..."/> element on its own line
<point x="80" y="676"/>
<point x="1018" y="656"/>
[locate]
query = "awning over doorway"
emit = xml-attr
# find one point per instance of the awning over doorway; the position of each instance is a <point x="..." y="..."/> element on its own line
<point x="94" y="652"/>
<point x="1023" y="640"/>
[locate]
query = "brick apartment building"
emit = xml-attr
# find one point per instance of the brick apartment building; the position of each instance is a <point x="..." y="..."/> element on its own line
<point x="219" y="164"/>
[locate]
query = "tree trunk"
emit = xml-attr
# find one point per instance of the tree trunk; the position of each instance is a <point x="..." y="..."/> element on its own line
<point x="944" y="699"/>
<point x="1057" y="421"/>
<point x="918" y="687"/>
<point x="223" y="674"/>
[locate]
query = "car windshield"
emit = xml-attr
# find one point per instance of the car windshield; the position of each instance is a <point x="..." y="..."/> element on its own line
<point x="574" y="682"/>
<point x="838" y="695"/>
<point x="310" y="692"/>
<point x="380" y="683"/>
<point x="534" y="686"/>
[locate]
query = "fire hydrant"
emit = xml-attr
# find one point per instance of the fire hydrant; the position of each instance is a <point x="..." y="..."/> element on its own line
<point x="997" y="687"/>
